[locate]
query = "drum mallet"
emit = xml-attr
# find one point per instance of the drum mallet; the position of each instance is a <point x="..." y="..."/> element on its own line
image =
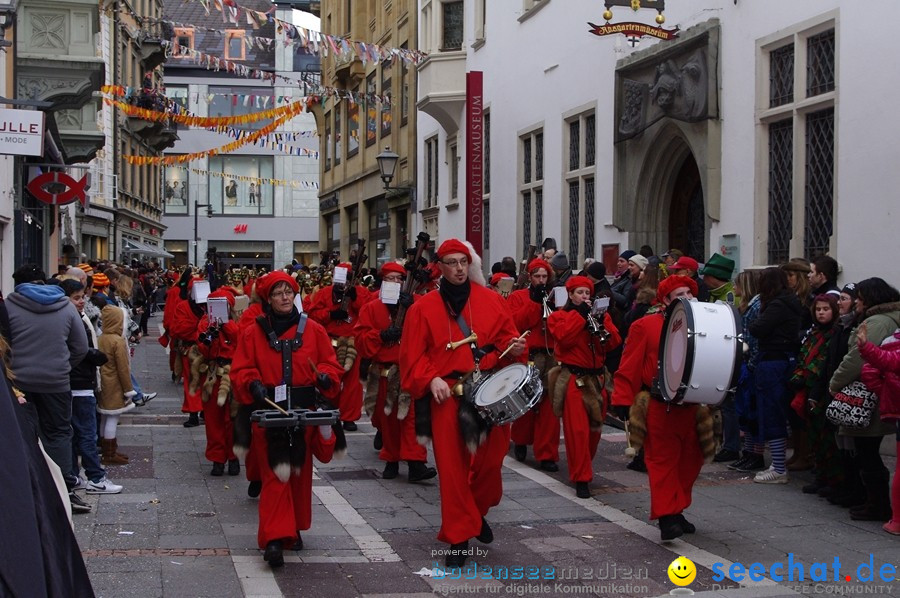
<point x="472" y="338"/>
<point x="629" y="451"/>
<point x="277" y="406"/>
<point x="521" y="338"/>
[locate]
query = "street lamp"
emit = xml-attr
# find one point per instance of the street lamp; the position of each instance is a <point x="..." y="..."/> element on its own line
<point x="209" y="213"/>
<point x="387" y="164"/>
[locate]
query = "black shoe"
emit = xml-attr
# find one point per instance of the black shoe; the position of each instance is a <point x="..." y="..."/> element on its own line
<point x="298" y="545"/>
<point x="736" y="466"/>
<point x="686" y="526"/>
<point x="419" y="472"/>
<point x="827" y="491"/>
<point x="726" y="456"/>
<point x="456" y="556"/>
<point x="175" y="378"/>
<point x="549" y="466"/>
<point x="377" y="443"/>
<point x="754" y="462"/>
<point x="217" y="469"/>
<point x="391" y="469"/>
<point x="520" y="451"/>
<point x="349" y="426"/>
<point x="582" y="490"/>
<point x="812" y="488"/>
<point x="192" y="422"/>
<point x="637" y="464"/>
<point x="78" y="504"/>
<point x="486" y="535"/>
<point x="202" y="416"/>
<point x="254" y="489"/>
<point x="274" y="554"/>
<point x="234" y="467"/>
<point x="670" y="527"/>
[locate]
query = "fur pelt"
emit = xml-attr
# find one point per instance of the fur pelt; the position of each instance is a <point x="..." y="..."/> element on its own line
<point x="208" y="368"/>
<point x="177" y="364"/>
<point x="400" y="401"/>
<point x="637" y="426"/>
<point x="423" y="420"/>
<point x="371" y="395"/>
<point x="340" y="441"/>
<point x="224" y="374"/>
<point x="345" y="351"/>
<point x="594" y="400"/>
<point x="472" y="427"/>
<point x="280" y="453"/>
<point x="705" y="433"/>
<point x="242" y="435"/>
<point x="560" y="378"/>
<point x="196" y="360"/>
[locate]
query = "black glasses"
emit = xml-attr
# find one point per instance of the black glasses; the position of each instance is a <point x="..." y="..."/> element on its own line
<point x="464" y="262"/>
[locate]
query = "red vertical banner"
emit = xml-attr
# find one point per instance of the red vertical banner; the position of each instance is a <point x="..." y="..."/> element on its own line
<point x="474" y="160"/>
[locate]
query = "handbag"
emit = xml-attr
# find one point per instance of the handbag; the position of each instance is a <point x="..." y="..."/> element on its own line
<point x="852" y="406"/>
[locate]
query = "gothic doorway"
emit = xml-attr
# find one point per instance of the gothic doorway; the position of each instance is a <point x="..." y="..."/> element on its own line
<point x="687" y="219"/>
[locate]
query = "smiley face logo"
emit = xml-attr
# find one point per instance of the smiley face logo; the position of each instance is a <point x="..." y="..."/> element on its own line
<point x="682" y="571"/>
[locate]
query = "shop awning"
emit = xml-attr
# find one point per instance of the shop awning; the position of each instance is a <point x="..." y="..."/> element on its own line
<point x="132" y="246"/>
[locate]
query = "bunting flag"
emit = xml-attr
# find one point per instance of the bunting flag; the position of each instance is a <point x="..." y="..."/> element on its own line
<point x="206" y="122"/>
<point x="249" y="179"/>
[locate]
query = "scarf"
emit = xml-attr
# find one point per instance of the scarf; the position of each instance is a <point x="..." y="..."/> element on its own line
<point x="93" y="340"/>
<point x="813" y="354"/>
<point x="455" y="296"/>
<point x="281" y="323"/>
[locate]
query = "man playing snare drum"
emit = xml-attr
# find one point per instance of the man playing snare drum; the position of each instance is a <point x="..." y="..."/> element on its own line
<point x="668" y="432"/>
<point x="432" y="363"/>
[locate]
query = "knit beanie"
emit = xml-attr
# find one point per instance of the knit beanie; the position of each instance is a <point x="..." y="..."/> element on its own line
<point x="639" y="261"/>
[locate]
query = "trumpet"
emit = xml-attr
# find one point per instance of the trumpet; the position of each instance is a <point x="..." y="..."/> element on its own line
<point x="597" y="328"/>
<point x="545" y="303"/>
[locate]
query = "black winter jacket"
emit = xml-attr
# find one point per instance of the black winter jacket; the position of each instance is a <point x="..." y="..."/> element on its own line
<point x="778" y="326"/>
<point x="84" y="375"/>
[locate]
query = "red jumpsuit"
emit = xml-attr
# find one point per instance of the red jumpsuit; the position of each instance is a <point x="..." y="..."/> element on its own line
<point x="219" y="426"/>
<point x="671" y="448"/>
<point x="173" y="298"/>
<point x="319" y="308"/>
<point x="251" y="462"/>
<point x="538" y="426"/>
<point x="470" y="485"/>
<point x="398" y="436"/>
<point x="184" y="328"/>
<point x="575" y="346"/>
<point x="285" y="507"/>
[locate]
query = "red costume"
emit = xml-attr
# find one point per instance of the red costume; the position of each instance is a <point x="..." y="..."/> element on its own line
<point x="584" y="355"/>
<point x="538" y="426"/>
<point x="285" y="507"/>
<point x="173" y="298"/>
<point x="470" y="485"/>
<point x="320" y="306"/>
<point x="185" y="321"/>
<point x="251" y="461"/>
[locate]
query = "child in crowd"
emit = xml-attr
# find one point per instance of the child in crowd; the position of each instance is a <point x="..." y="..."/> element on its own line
<point x="115" y="380"/>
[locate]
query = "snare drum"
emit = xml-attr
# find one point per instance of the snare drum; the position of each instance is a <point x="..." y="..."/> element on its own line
<point x="700" y="352"/>
<point x="508" y="394"/>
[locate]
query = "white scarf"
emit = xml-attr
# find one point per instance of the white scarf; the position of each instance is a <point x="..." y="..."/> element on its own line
<point x="90" y="327"/>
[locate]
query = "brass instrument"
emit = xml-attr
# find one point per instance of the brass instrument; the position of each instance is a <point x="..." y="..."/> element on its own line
<point x="596" y="326"/>
<point x="545" y="304"/>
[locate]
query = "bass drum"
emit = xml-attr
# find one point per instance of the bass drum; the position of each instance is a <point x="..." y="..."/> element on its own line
<point x="700" y="352"/>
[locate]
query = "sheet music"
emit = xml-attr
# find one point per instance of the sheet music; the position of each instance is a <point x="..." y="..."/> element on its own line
<point x="200" y="291"/>
<point x="390" y="292"/>
<point x="340" y="275"/>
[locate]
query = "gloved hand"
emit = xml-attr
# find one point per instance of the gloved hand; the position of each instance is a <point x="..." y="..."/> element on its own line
<point x="621" y="412"/>
<point x="406" y="299"/>
<point x="339" y="314"/>
<point x="536" y="293"/>
<point x="390" y="335"/>
<point x="423" y="276"/>
<point x="325" y="432"/>
<point x="258" y="391"/>
<point x="584" y="309"/>
<point x="351" y="293"/>
<point x="323" y="381"/>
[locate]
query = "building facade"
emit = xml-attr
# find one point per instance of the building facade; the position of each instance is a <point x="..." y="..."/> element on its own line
<point x="354" y="203"/>
<point x="750" y="134"/>
<point x="262" y="201"/>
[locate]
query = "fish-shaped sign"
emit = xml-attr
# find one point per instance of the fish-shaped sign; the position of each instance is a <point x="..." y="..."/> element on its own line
<point x="58" y="188"/>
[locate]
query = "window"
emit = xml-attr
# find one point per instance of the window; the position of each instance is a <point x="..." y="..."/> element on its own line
<point x="352" y="129"/>
<point x="238" y="101"/>
<point x="184" y="40"/>
<point x="452" y="25"/>
<point x="404" y="90"/>
<point x="531" y="186"/>
<point x="333" y="231"/>
<point x="178" y="94"/>
<point x="234" y="45"/>
<point x="371" y="111"/>
<point x="799" y="139"/>
<point x="480" y="20"/>
<point x="580" y="132"/>
<point x="329" y="149"/>
<point x="453" y="158"/>
<point x="386" y="91"/>
<point x="237" y="184"/>
<point x="431" y="172"/>
<point x="337" y="133"/>
<point x="379" y="231"/>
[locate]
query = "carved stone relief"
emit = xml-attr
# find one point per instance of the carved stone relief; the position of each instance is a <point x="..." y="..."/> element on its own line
<point x="49" y="30"/>
<point x="68" y="119"/>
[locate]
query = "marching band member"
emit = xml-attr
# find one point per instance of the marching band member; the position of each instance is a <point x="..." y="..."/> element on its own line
<point x="243" y="445"/>
<point x="261" y="372"/>
<point x="175" y="295"/>
<point x="668" y="432"/>
<point x="429" y="368"/>
<point x="326" y="308"/>
<point x="216" y="342"/>
<point x="578" y="385"/>
<point x="184" y="330"/>
<point x="378" y="339"/>
<point x="540" y="426"/>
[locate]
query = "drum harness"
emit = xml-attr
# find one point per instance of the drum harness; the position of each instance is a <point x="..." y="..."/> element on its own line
<point x="304" y="395"/>
<point x="477" y="352"/>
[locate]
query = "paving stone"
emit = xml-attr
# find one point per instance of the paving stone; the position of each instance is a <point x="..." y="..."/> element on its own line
<point x="137" y="584"/>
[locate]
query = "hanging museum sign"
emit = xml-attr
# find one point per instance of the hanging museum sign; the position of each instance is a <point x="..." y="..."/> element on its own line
<point x="21" y="132"/>
<point x="632" y="29"/>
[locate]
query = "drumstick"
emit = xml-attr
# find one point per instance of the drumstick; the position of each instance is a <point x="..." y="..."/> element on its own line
<point x="276" y="406"/>
<point x="312" y="364"/>
<point x="629" y="451"/>
<point x="521" y="338"/>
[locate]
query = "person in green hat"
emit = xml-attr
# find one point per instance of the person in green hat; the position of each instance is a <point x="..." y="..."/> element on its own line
<point x="717" y="273"/>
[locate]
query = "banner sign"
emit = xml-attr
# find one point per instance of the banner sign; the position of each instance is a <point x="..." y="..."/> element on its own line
<point x="632" y="29"/>
<point x="474" y="160"/>
<point x="21" y="132"/>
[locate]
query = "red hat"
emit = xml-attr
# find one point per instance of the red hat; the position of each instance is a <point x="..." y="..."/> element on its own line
<point x="579" y="281"/>
<point x="496" y="278"/>
<point x="670" y="283"/>
<point x="392" y="268"/>
<point x="434" y="271"/>
<point x="248" y="288"/>
<point x="265" y="284"/>
<point x="537" y="263"/>
<point x="347" y="265"/>
<point x="453" y="246"/>
<point x="685" y="263"/>
<point x="223" y="292"/>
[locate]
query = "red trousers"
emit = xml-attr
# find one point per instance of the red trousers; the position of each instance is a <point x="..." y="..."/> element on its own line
<point x="219" y="428"/>
<point x="539" y="427"/>
<point x="581" y="440"/>
<point x="673" y="457"/>
<point x="470" y="485"/>
<point x="286" y="507"/>
<point x="349" y="401"/>
<point x="251" y="464"/>
<point x="398" y="436"/>
<point x="193" y="403"/>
